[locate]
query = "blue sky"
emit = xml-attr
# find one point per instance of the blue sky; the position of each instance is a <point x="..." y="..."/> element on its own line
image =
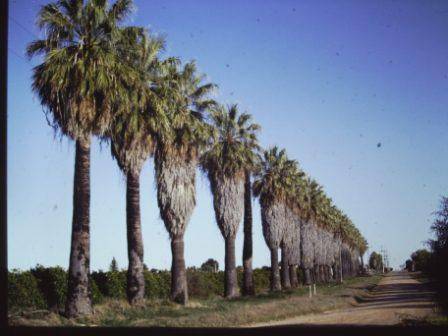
<point x="327" y="80"/>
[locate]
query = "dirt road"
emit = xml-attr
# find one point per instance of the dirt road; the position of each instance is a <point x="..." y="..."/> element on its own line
<point x="397" y="297"/>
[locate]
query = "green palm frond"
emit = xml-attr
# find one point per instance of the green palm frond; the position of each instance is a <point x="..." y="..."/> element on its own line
<point x="82" y="73"/>
<point x="234" y="145"/>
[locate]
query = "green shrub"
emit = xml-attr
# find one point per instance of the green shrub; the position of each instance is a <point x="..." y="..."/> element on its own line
<point x="157" y="284"/>
<point x="52" y="282"/>
<point x="111" y="284"/>
<point x="43" y="287"/>
<point x="97" y="296"/>
<point x="23" y="291"/>
<point x="261" y="279"/>
<point x="205" y="284"/>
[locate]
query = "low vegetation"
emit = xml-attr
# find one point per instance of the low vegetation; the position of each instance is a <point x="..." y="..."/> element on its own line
<point x="207" y="306"/>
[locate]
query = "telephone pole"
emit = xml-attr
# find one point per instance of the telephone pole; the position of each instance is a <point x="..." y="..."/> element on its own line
<point x="383" y="256"/>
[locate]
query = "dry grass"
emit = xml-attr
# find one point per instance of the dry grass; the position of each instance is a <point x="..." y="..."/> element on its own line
<point x="216" y="312"/>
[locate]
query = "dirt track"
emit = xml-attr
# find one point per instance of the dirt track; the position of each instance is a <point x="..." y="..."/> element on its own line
<point x="397" y="297"/>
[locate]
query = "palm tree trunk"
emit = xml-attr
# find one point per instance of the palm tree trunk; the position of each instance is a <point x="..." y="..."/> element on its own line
<point x="293" y="276"/>
<point x="230" y="284"/>
<point x="136" y="280"/>
<point x="316" y="274"/>
<point x="285" y="281"/>
<point x="248" y="278"/>
<point x="308" y="279"/>
<point x="322" y="273"/>
<point x="179" y="289"/>
<point x="78" y="295"/>
<point x="275" y="273"/>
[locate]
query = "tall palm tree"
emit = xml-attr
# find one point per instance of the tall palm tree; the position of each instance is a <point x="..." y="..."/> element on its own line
<point x="77" y="83"/>
<point x="295" y="204"/>
<point x="248" y="287"/>
<point x="225" y="163"/>
<point x="272" y="183"/>
<point x="132" y="142"/>
<point x="185" y="99"/>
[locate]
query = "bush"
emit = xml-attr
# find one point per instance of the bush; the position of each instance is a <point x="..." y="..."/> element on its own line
<point x="261" y="279"/>
<point x="52" y="282"/>
<point x="97" y="296"/>
<point x="157" y="284"/>
<point x="23" y="291"/>
<point x="421" y="258"/>
<point x="376" y="261"/>
<point x="205" y="284"/>
<point x="111" y="284"/>
<point x="46" y="287"/>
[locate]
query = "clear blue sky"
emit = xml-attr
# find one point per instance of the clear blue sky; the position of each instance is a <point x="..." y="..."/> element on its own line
<point x="327" y="80"/>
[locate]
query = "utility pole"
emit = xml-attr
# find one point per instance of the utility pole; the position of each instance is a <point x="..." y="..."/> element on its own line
<point x="383" y="252"/>
<point x="340" y="251"/>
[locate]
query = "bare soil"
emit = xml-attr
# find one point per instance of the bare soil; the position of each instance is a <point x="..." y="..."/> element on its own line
<point x="398" y="298"/>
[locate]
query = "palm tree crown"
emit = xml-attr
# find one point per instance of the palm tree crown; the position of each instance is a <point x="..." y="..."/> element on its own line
<point x="81" y="74"/>
<point x="234" y="142"/>
<point x="274" y="178"/>
<point x="138" y="115"/>
<point x="185" y="99"/>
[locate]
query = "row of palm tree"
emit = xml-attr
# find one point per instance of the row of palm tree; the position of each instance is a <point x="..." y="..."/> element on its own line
<point x="300" y="220"/>
<point x="101" y="78"/>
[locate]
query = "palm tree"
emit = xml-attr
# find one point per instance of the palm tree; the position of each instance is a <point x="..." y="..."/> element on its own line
<point x="290" y="245"/>
<point x="248" y="277"/>
<point x="225" y="162"/>
<point x="77" y="83"/>
<point x="184" y="100"/>
<point x="132" y="142"/>
<point x="273" y="180"/>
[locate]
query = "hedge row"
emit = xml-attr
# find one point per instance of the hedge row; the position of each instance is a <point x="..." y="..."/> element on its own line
<point x="46" y="287"/>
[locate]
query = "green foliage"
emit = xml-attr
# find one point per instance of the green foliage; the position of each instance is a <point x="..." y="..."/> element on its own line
<point x="376" y="261"/>
<point x="261" y="279"/>
<point x="204" y="284"/>
<point x="234" y="143"/>
<point x="113" y="265"/>
<point x="77" y="79"/>
<point x="111" y="284"/>
<point x="97" y="296"/>
<point x="46" y="287"/>
<point x="184" y="98"/>
<point x="211" y="265"/>
<point x="157" y="284"/>
<point x="439" y="248"/>
<point x="422" y="259"/>
<point x="52" y="282"/>
<point x="23" y="291"/>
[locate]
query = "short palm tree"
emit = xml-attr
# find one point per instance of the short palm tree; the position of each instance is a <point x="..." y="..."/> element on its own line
<point x="273" y="180"/>
<point x="132" y="142"/>
<point x="185" y="99"/>
<point x="225" y="162"/>
<point x="77" y="83"/>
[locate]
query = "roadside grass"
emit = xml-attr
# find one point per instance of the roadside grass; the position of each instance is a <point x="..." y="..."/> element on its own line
<point x="422" y="277"/>
<point x="213" y="312"/>
<point x="440" y="316"/>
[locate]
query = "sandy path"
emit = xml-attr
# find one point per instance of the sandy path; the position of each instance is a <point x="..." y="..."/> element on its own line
<point x="398" y="296"/>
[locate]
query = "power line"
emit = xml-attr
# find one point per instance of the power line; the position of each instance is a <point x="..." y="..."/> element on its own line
<point x="23" y="27"/>
<point x="17" y="54"/>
